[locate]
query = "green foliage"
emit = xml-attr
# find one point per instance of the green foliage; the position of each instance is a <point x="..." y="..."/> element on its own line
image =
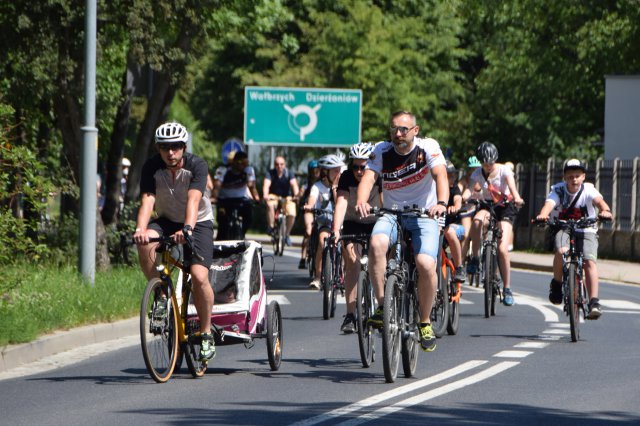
<point x="36" y="300"/>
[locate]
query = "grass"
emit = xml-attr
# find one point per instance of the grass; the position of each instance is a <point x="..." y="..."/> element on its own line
<point x="38" y="300"/>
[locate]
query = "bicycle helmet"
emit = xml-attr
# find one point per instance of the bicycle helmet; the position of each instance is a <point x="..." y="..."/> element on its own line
<point x="313" y="164"/>
<point x="450" y="167"/>
<point x="330" y="161"/>
<point x="487" y="152"/>
<point x="574" y="164"/>
<point x="171" y="132"/>
<point x="361" y="151"/>
<point x="473" y="162"/>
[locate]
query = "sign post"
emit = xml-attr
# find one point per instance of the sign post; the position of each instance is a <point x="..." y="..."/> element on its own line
<point x="302" y="116"/>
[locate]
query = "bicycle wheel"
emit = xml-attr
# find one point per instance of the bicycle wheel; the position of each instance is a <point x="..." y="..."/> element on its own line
<point x="274" y="335"/>
<point x="454" y="304"/>
<point x="326" y="282"/>
<point x="574" y="302"/>
<point x="487" y="279"/>
<point x="311" y="253"/>
<point x="337" y="281"/>
<point x="364" y="310"/>
<point x="391" y="329"/>
<point x="440" y="309"/>
<point x="410" y="340"/>
<point x="496" y="284"/>
<point x="158" y="330"/>
<point x="281" y="235"/>
<point x="191" y="347"/>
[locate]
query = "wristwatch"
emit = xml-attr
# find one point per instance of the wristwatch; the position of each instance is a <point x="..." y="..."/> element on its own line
<point x="442" y="203"/>
<point x="187" y="228"/>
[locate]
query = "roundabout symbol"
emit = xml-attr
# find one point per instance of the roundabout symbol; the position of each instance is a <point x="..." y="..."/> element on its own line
<point x="309" y="112"/>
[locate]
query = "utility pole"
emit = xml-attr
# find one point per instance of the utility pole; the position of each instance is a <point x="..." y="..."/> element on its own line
<point x="89" y="150"/>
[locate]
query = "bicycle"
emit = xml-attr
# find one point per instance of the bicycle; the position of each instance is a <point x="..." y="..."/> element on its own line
<point x="401" y="315"/>
<point x="279" y="235"/>
<point x="576" y="296"/>
<point x="440" y="309"/>
<point x="166" y="333"/>
<point x="454" y="289"/>
<point x="234" y="228"/>
<point x="313" y="241"/>
<point x="365" y="302"/>
<point x="332" y="276"/>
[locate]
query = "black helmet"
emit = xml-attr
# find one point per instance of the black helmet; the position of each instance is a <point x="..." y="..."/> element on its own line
<point x="487" y="152"/>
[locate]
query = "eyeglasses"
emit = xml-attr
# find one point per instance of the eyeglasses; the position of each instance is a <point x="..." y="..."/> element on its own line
<point x="171" y="147"/>
<point x="403" y="130"/>
<point x="358" y="168"/>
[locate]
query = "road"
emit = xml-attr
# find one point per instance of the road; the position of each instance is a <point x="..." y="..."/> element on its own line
<point x="516" y="368"/>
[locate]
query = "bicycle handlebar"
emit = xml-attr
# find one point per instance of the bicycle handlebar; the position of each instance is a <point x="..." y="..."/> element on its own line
<point x="406" y="211"/>
<point x="168" y="240"/>
<point x="583" y="222"/>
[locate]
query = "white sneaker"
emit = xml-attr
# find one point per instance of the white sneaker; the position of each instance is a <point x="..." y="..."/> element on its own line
<point x="315" y="284"/>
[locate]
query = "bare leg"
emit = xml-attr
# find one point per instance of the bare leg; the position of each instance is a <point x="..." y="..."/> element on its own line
<point x="352" y="269"/>
<point x="503" y="252"/>
<point x="378" y="246"/>
<point x="427" y="283"/>
<point x="203" y="296"/>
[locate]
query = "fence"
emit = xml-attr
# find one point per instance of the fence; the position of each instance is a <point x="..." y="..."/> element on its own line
<point x="617" y="180"/>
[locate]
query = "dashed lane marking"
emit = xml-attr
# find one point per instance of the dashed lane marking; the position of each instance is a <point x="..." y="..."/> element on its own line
<point x="531" y="345"/>
<point x="513" y="354"/>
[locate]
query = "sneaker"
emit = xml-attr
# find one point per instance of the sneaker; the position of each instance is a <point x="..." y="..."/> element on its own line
<point x="508" y="297"/>
<point x="595" y="310"/>
<point x="208" y="347"/>
<point x="160" y="310"/>
<point x="315" y="284"/>
<point x="460" y="275"/>
<point x="473" y="265"/>
<point x="427" y="338"/>
<point x="376" y="319"/>
<point x="287" y="240"/>
<point x="349" y="324"/>
<point x="271" y="230"/>
<point x="555" y="292"/>
<point x="302" y="264"/>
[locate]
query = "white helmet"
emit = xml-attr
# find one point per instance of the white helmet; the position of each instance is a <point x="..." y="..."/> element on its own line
<point x="330" y="161"/>
<point x="171" y="132"/>
<point x="361" y="151"/>
<point x="126" y="162"/>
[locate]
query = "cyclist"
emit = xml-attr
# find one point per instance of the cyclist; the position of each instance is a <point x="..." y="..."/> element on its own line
<point x="453" y="230"/>
<point x="346" y="218"/>
<point x="280" y="182"/>
<point x="495" y="182"/>
<point x="173" y="183"/>
<point x="234" y="187"/>
<point x="313" y="175"/>
<point x="573" y="199"/>
<point x="413" y="172"/>
<point x="468" y="208"/>
<point x="322" y="196"/>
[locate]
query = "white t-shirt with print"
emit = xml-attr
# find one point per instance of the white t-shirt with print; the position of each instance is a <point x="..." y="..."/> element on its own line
<point x="561" y="199"/>
<point x="323" y="196"/>
<point x="495" y="186"/>
<point x="406" y="179"/>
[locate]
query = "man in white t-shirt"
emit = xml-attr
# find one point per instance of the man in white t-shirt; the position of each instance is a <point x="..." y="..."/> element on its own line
<point x="562" y="202"/>
<point x="413" y="172"/>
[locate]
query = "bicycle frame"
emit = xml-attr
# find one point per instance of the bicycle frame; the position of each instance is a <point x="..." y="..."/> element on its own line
<point x="489" y="255"/>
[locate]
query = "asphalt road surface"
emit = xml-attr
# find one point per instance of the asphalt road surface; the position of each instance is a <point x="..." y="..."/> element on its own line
<point x="518" y="367"/>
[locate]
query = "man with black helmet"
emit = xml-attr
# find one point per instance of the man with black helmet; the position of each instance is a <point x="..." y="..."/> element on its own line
<point x="173" y="183"/>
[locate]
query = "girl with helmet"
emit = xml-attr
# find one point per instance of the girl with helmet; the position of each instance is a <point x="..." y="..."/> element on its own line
<point x="494" y="182"/>
<point x="347" y="221"/>
<point x="322" y="197"/>
<point x="468" y="208"/>
<point x="313" y="175"/>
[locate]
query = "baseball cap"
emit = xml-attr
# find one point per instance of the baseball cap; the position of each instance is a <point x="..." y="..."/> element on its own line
<point x="574" y="164"/>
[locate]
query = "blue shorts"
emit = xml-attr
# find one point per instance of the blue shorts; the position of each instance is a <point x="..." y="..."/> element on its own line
<point x="425" y="233"/>
<point x="459" y="229"/>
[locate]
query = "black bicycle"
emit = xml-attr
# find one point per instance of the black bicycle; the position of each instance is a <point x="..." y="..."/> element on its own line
<point x="332" y="276"/>
<point x="574" y="288"/>
<point x="313" y="241"/>
<point x="401" y="314"/>
<point x="233" y="208"/>
<point x="278" y="238"/>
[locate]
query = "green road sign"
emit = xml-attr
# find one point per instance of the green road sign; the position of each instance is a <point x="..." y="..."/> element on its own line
<point x="302" y="116"/>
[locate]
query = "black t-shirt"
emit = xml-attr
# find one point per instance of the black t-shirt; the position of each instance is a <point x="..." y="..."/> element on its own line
<point x="349" y="184"/>
<point x="453" y="191"/>
<point x="280" y="186"/>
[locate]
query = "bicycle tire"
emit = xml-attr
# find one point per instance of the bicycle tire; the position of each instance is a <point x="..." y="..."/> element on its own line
<point x="410" y="344"/>
<point x="326" y="281"/>
<point x="274" y="335"/>
<point x="311" y="253"/>
<point x="440" y="309"/>
<point x="487" y="279"/>
<point x="574" y="302"/>
<point x="282" y="235"/>
<point x="454" y="305"/>
<point x="335" y="284"/>
<point x="158" y="336"/>
<point x="496" y="285"/>
<point x="364" y="310"/>
<point x="391" y="339"/>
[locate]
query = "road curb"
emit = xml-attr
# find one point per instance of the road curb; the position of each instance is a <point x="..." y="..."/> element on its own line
<point x="16" y="355"/>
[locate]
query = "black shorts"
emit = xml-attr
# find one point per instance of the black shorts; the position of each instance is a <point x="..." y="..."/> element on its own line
<point x="507" y="212"/>
<point x="202" y="238"/>
<point x="351" y="228"/>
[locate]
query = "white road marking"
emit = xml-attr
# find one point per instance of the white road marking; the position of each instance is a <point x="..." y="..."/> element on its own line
<point x="555" y="331"/>
<point x="559" y="325"/>
<point x="540" y="305"/>
<point x="513" y="354"/>
<point x="376" y="399"/>
<point x="418" y="399"/>
<point x="281" y="299"/>
<point x="620" y="304"/>
<point x="531" y="345"/>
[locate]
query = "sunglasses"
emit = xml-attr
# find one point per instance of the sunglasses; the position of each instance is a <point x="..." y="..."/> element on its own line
<point x="403" y="130"/>
<point x="358" y="168"/>
<point x="171" y="146"/>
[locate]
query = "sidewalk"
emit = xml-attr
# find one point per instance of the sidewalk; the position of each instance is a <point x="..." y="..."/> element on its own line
<point x="15" y="355"/>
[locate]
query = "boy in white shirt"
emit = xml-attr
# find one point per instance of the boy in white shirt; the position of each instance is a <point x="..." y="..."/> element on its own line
<point x="561" y="200"/>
